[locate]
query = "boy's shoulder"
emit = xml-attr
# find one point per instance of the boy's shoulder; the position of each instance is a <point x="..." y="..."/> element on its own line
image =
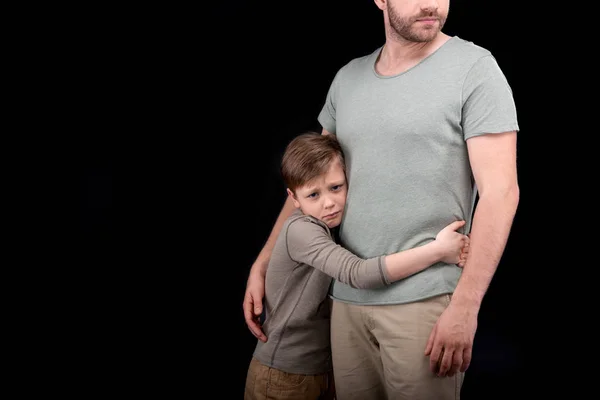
<point x="299" y="224"/>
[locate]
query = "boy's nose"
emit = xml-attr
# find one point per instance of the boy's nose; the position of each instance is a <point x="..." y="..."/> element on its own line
<point x="329" y="202"/>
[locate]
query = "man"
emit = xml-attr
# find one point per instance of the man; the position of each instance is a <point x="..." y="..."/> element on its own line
<point x="427" y="121"/>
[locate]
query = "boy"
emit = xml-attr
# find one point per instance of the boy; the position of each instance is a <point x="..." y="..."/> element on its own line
<point x="295" y="361"/>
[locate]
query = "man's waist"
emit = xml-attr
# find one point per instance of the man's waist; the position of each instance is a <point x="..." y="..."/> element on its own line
<point x="435" y="280"/>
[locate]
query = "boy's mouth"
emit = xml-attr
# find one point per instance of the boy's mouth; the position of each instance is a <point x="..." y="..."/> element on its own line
<point x="332" y="215"/>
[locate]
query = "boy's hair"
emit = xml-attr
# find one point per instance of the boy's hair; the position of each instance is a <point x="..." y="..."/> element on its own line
<point x="309" y="156"/>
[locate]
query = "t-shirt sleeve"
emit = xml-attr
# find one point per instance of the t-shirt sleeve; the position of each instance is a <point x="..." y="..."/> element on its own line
<point x="327" y="116"/>
<point x="309" y="243"/>
<point x="488" y="103"/>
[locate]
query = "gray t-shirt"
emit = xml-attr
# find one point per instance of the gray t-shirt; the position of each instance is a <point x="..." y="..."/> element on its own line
<point x="404" y="137"/>
<point x="299" y="275"/>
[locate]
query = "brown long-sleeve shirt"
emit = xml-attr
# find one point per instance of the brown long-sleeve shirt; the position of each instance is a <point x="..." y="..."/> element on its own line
<point x="299" y="275"/>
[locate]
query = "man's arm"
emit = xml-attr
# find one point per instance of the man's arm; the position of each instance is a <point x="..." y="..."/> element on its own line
<point x="255" y="286"/>
<point x="493" y="161"/>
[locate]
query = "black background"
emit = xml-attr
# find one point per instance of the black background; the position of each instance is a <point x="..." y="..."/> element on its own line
<point x="223" y="92"/>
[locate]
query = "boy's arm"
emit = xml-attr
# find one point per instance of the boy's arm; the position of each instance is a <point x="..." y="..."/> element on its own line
<point x="408" y="262"/>
<point x="255" y="286"/>
<point x="448" y="246"/>
<point x="309" y="243"/>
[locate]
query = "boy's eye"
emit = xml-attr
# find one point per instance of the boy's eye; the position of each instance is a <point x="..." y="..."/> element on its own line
<point x="312" y="195"/>
<point x="336" y="187"/>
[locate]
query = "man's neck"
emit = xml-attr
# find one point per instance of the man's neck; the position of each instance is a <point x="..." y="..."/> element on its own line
<point x="400" y="55"/>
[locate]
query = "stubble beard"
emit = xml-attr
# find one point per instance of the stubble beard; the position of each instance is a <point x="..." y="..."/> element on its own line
<point x="405" y="28"/>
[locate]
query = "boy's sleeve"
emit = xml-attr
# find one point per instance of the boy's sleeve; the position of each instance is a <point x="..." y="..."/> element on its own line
<point x="487" y="101"/>
<point x="309" y="243"/>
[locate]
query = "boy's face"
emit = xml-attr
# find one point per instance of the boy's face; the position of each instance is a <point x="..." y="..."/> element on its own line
<point x="325" y="197"/>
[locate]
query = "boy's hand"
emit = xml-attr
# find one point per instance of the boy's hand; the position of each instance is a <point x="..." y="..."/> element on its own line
<point x="453" y="244"/>
<point x="464" y="252"/>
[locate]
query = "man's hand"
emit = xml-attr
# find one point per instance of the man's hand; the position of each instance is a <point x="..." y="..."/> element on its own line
<point x="253" y="304"/>
<point x="450" y="343"/>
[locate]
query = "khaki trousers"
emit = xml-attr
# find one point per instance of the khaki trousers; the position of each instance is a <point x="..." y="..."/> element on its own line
<point x="266" y="383"/>
<point x="379" y="352"/>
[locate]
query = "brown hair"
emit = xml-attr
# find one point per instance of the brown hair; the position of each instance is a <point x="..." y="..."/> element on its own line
<point x="308" y="156"/>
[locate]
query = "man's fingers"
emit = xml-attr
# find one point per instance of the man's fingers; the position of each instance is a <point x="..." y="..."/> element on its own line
<point x="251" y="317"/>
<point x="247" y="306"/>
<point x="257" y="303"/>
<point x="435" y="357"/>
<point x="429" y="345"/>
<point x="255" y="327"/>
<point x="457" y="361"/>
<point x="446" y="361"/>
<point x="256" y="330"/>
<point x="467" y="353"/>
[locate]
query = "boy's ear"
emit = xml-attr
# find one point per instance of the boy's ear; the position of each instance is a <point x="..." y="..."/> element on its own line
<point x="291" y="194"/>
